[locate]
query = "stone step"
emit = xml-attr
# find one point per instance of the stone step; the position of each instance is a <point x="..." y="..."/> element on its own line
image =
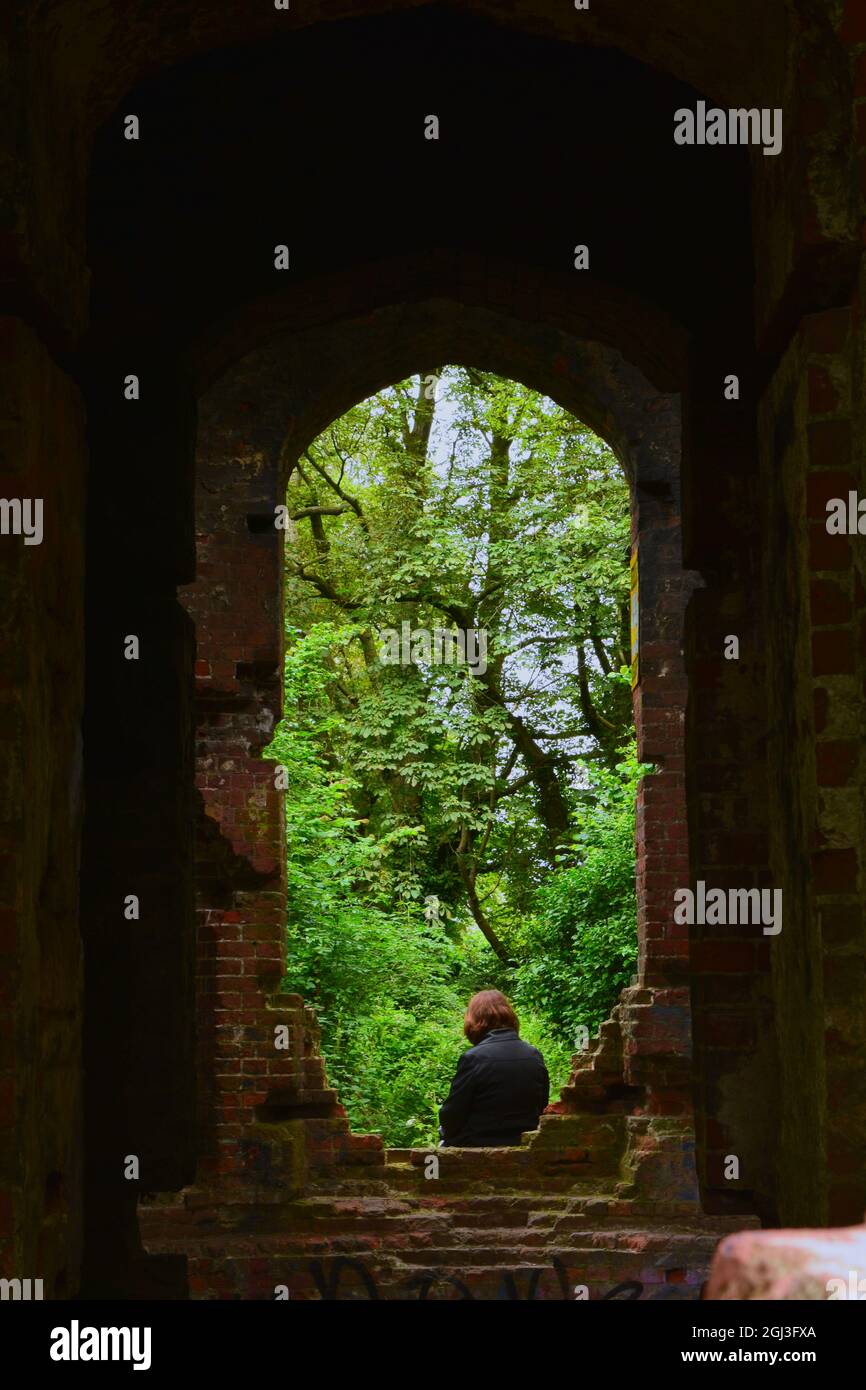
<point x="558" y="1185"/>
<point x="341" y="1224"/>
<point x="664" y="1262"/>
<point x="424" y="1242"/>
<point x="507" y="1252"/>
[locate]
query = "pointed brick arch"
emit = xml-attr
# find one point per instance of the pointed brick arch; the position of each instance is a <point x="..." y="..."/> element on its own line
<point x="254" y="422"/>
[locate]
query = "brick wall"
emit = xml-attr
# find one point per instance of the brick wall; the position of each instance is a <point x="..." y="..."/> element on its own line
<point x="41" y="700"/>
<point x="235" y="603"/>
<point x="773" y="790"/>
<point x="837" y="601"/>
<point x="253" y="422"/>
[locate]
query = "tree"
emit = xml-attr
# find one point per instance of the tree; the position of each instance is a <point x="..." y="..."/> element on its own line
<point x="489" y="510"/>
<point x="457" y="816"/>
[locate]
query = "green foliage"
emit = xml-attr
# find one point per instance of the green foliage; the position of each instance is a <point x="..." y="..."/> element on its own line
<point x="579" y="948"/>
<point x="451" y="829"/>
<point x="393" y="1072"/>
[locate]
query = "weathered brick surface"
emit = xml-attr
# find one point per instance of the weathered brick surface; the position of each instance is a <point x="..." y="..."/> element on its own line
<point x="41" y="700"/>
<point x="748" y="264"/>
<point x="524" y="1223"/>
<point x="533" y="1222"/>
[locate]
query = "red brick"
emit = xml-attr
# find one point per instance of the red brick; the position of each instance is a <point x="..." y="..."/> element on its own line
<point x="829" y="603"/>
<point x="833" y="652"/>
<point x="829" y="443"/>
<point x="835" y="870"/>
<point x="836" y="762"/>
<point x="827" y="552"/>
<point x="853" y="27"/>
<point x="824" y="484"/>
<point x="823" y="399"/>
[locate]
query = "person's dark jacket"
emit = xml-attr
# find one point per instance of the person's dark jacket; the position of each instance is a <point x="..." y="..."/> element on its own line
<point x="499" y="1090"/>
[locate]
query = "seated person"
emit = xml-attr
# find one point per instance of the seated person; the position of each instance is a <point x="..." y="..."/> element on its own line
<point x="501" y="1084"/>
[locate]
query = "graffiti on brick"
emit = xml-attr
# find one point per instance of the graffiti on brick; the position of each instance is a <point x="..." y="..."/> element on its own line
<point x="328" y="1282"/>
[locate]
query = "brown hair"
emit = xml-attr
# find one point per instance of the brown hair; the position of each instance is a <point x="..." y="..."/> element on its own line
<point x="486" y="1011"/>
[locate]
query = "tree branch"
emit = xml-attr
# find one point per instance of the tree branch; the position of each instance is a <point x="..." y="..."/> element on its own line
<point x="478" y="912"/>
<point x="318" y="511"/>
<point x="325" y="589"/>
<point x="516" y="785"/>
<point x="595" y="720"/>
<point x="336" y="487"/>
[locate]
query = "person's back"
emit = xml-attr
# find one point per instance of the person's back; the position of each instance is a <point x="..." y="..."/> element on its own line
<point x="501" y="1085"/>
